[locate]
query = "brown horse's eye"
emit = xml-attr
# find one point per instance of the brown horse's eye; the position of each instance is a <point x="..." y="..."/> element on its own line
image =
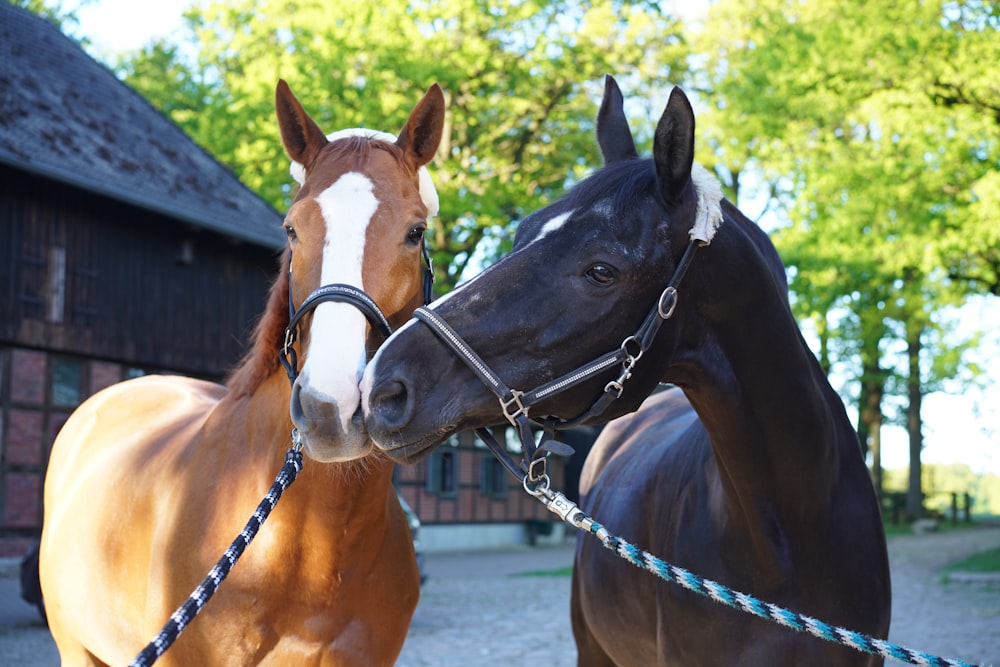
<point x="290" y="232"/>
<point x="416" y="234"/>
<point x="601" y="274"/>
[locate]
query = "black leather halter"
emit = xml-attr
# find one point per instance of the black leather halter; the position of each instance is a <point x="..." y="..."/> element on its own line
<point x="343" y="294"/>
<point x="515" y="404"/>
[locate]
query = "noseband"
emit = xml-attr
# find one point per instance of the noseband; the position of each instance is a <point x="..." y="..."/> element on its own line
<point x="515" y="404"/>
<point x="344" y="294"/>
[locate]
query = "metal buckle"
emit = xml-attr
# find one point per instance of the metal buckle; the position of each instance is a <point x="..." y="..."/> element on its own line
<point x="514" y="400"/>
<point x="536" y="471"/>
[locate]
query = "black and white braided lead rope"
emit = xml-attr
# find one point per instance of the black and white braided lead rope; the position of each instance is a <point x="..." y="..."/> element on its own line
<point x="571" y="513"/>
<point x="206" y="589"/>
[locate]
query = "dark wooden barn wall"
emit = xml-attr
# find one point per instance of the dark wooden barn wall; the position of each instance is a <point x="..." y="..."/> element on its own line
<point x="85" y="275"/>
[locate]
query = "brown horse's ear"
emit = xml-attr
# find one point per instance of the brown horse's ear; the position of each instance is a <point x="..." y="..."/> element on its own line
<point x="301" y="135"/>
<point x="613" y="133"/>
<point x="421" y="135"/>
<point x="673" y="146"/>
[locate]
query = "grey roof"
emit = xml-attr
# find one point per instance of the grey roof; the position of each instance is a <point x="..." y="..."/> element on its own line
<point x="65" y="116"/>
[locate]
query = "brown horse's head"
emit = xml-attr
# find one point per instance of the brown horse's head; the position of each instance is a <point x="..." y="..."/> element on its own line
<point x="358" y="220"/>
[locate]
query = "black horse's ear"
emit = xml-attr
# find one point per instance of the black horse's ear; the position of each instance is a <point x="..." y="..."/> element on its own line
<point x="613" y="133"/>
<point x="673" y="146"/>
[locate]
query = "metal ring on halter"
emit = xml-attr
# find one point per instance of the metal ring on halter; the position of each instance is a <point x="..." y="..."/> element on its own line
<point x="638" y="345"/>
<point x="541" y="485"/>
<point x="671" y="294"/>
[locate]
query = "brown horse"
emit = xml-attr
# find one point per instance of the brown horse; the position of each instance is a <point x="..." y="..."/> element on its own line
<point x="151" y="479"/>
<point x="749" y="474"/>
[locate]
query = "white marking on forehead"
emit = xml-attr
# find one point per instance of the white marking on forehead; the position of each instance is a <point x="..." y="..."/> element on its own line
<point x="428" y="193"/>
<point x="708" y="216"/>
<point x="550" y="226"/>
<point x="554" y="224"/>
<point x="336" y="356"/>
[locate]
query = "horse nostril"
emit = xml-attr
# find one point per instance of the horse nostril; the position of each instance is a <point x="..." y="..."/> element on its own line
<point x="391" y="405"/>
<point x="295" y="407"/>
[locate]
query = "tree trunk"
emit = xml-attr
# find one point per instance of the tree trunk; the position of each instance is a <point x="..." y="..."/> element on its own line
<point x="914" y="494"/>
<point x="870" y="407"/>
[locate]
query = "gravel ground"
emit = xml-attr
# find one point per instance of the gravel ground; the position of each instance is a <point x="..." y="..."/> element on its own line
<point x="474" y="612"/>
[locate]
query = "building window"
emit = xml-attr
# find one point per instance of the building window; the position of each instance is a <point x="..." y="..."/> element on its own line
<point x="493" y="478"/>
<point x="67" y="382"/>
<point x="57" y="284"/>
<point x="442" y="473"/>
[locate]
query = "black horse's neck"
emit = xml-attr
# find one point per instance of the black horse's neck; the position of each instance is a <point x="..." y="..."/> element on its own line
<point x="776" y="426"/>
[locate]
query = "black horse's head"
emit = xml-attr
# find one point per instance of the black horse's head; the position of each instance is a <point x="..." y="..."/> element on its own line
<point x="582" y="277"/>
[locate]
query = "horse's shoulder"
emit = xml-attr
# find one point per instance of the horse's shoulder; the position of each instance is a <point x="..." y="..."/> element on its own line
<point x="646" y="444"/>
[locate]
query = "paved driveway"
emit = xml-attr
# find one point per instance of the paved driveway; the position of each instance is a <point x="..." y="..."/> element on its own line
<point x="473" y="612"/>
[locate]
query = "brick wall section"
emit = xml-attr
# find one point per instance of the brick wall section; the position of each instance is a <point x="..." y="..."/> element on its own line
<point x="24" y="437"/>
<point x="21" y="500"/>
<point x="27" y="431"/>
<point x="27" y="383"/>
<point x="103" y="374"/>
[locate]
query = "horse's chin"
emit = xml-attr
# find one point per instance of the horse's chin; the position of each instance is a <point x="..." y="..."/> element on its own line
<point x="326" y="441"/>
<point x="347" y="447"/>
<point x="412" y="451"/>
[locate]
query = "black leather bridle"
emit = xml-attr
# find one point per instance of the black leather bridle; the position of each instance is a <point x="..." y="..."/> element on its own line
<point x="515" y="404"/>
<point x="344" y="294"/>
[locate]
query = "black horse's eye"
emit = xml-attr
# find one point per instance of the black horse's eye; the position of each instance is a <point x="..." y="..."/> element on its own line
<point x="290" y="232"/>
<point x="416" y="234"/>
<point x="601" y="274"/>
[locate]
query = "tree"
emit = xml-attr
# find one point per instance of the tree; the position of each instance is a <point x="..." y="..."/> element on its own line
<point x="877" y="134"/>
<point x="521" y="79"/>
<point x="53" y="12"/>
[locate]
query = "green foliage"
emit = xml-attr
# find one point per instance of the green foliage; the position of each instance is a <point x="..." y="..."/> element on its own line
<point x="521" y="80"/>
<point x="52" y="11"/>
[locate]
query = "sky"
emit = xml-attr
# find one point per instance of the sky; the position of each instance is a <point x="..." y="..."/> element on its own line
<point x="957" y="428"/>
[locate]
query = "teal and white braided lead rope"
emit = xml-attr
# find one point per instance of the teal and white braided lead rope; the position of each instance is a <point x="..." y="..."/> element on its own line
<point x="571" y="513"/>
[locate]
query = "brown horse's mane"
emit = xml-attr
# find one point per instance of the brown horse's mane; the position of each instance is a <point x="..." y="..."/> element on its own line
<point x="261" y="361"/>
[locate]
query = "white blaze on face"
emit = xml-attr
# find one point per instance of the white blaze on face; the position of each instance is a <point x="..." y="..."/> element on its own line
<point x="335" y="358"/>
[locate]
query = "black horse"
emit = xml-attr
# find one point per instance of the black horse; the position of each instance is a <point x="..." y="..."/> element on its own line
<point x="748" y="473"/>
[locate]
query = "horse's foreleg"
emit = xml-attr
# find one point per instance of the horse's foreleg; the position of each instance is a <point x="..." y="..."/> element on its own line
<point x="589" y="652"/>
